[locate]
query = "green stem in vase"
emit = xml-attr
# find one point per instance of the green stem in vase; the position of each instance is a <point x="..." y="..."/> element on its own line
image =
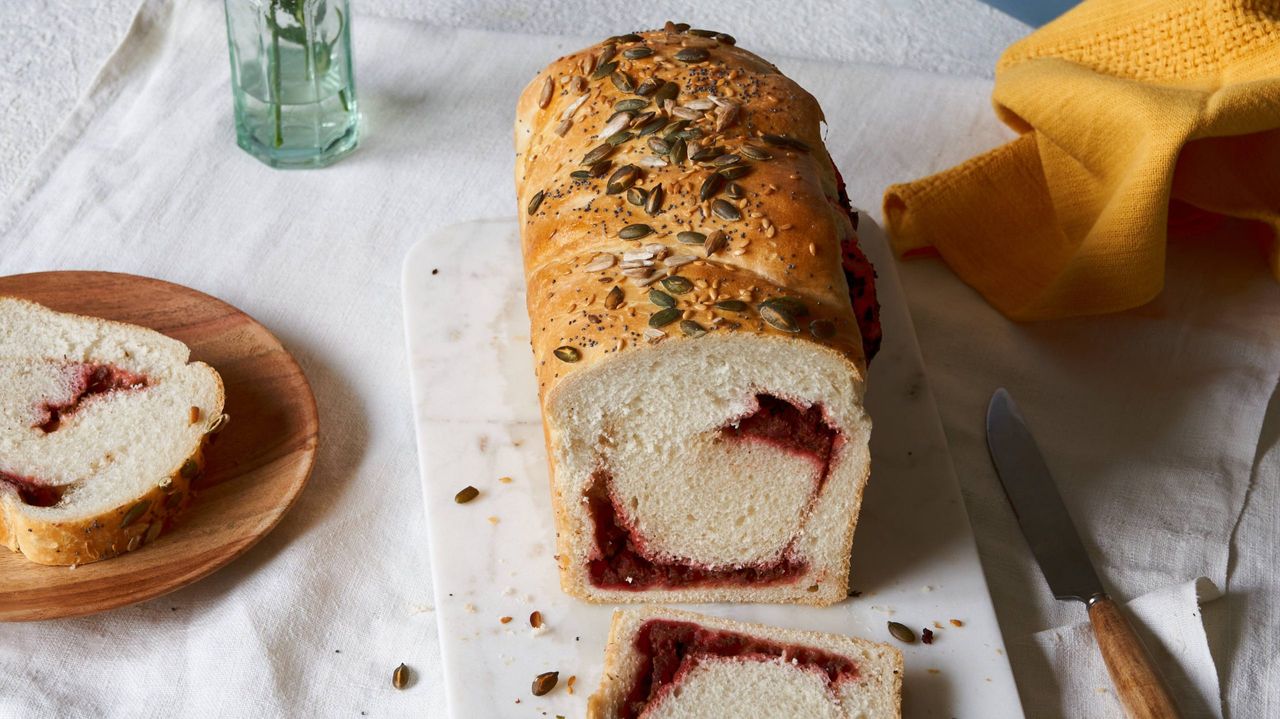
<point x="275" y="84"/>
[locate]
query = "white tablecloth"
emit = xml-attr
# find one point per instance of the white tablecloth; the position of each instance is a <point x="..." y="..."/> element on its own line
<point x="1156" y="432"/>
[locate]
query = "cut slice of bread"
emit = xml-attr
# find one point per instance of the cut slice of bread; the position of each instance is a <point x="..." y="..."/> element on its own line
<point x="668" y="664"/>
<point x="102" y="429"/>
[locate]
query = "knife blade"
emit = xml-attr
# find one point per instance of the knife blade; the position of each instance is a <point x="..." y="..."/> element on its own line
<point x="1056" y="545"/>
<point x="1036" y="503"/>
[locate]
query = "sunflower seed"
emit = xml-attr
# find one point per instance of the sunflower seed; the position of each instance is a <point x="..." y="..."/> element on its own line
<point x="605" y="69"/>
<point x="602" y="261"/>
<point x="545" y="682"/>
<point x="786" y="141"/>
<point x="679" y="260"/>
<point x="693" y="55"/>
<point x="600" y="169"/>
<point x="668" y="91"/>
<point x="661" y="299"/>
<point x="778" y="317"/>
<point x="686" y="113"/>
<point x="652" y="161"/>
<point x="710" y="187"/>
<point x="692" y="329"/>
<point x="726" y="117"/>
<point x="734" y="172"/>
<point x="622" y="81"/>
<point x="535" y="202"/>
<point x="822" y="329"/>
<point x="635" y="53"/>
<point x="466" y="494"/>
<point x="701" y="103"/>
<point x="734" y="191"/>
<point x="135" y="512"/>
<point x="613" y="300"/>
<point x="598" y="153"/>
<point x="677" y="284"/>
<point x="716" y="242"/>
<point x="573" y="107"/>
<point x="400" y="677"/>
<point x="653" y="204"/>
<point x="621" y="179"/>
<point x="635" y="231"/>
<point x="648" y="86"/>
<point x="755" y="152"/>
<point x="902" y="633"/>
<point x="641" y="120"/>
<point x="634" y="103"/>
<point x="643" y="253"/>
<point x="634" y="264"/>
<point x="659" y="145"/>
<point x="689" y="237"/>
<point x="544" y="97"/>
<point x="617" y="123"/>
<point x="726" y="211"/>
<point x="732" y="305"/>
<point x="664" y="317"/>
<point x="563" y="127"/>
<point x="636" y="196"/>
<point x="679" y="152"/>
<point x="567" y="354"/>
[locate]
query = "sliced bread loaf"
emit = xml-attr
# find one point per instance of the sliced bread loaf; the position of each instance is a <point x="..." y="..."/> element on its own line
<point x="667" y="664"/>
<point x="102" y="426"/>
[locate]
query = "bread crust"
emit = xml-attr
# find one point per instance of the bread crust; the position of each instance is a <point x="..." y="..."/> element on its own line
<point x="786" y="244"/>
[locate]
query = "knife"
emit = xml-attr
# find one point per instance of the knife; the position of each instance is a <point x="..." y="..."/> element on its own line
<point x="1057" y="548"/>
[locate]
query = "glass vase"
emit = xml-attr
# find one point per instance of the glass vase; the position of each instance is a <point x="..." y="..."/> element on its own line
<point x="292" y="80"/>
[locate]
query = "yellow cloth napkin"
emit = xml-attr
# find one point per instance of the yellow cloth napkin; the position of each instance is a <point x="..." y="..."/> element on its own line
<point x="1122" y="106"/>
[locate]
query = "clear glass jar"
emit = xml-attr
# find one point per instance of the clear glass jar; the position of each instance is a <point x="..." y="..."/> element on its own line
<point x="292" y="80"/>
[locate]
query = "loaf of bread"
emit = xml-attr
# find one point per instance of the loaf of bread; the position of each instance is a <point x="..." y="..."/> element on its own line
<point x="667" y="664"/>
<point x="699" y="345"/>
<point x="102" y="426"/>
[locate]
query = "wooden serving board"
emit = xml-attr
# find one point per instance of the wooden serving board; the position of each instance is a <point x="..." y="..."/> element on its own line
<point x="256" y="467"/>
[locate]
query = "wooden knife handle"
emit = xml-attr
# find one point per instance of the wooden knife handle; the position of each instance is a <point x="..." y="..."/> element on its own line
<point x="1142" y="693"/>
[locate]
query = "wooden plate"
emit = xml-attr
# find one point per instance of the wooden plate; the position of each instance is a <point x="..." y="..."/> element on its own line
<point x="256" y="467"/>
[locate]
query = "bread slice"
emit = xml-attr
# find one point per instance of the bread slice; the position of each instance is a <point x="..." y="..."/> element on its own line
<point x="668" y="664"/>
<point x="102" y="427"/>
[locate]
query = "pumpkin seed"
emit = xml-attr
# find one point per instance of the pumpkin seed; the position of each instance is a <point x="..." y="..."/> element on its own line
<point x="536" y="202"/>
<point x="647" y="87"/>
<point x="726" y="211"/>
<point x="220" y="423"/>
<point x="622" y="81"/>
<point x="794" y="305"/>
<point x="567" y="354"/>
<point x="735" y="172"/>
<point x="778" y="317"/>
<point x="786" y="141"/>
<point x="677" y="284"/>
<point x="689" y="237"/>
<point x="732" y="305"/>
<point x="635" y="231"/>
<point x="734" y="191"/>
<point x="607" y="53"/>
<point x="600" y="169"/>
<point x="545" y="682"/>
<point x="692" y="329"/>
<point x="725" y="38"/>
<point x="710" y="187"/>
<point x="597" y="153"/>
<point x="755" y="152"/>
<point x="693" y="55"/>
<point x="664" y="317"/>
<point x="673" y="130"/>
<point x="618" y="138"/>
<point x="629" y="37"/>
<point x="703" y="153"/>
<point x="400" y="677"/>
<point x="716" y="242"/>
<point x="653" y="203"/>
<point x="641" y="119"/>
<point x="189" y="470"/>
<point x="668" y="91"/>
<point x="653" y="126"/>
<point x="636" y="196"/>
<point x="822" y="329"/>
<point x="679" y="152"/>
<point x="613" y="300"/>
<point x="621" y="179"/>
<point x="135" y="512"/>
<point x="604" y="69"/>
<point x="544" y="97"/>
<point x="902" y="633"/>
<point x="689" y="133"/>
<point x="726" y="159"/>
<point x="580" y="174"/>
<point x="635" y="53"/>
<point x="659" y="145"/>
<point x="631" y="104"/>
<point x="661" y="299"/>
<point x="466" y="494"/>
<point x="681" y="27"/>
<point x="702" y="33"/>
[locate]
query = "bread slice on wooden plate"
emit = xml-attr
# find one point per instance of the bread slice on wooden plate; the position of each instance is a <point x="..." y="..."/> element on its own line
<point x="668" y="664"/>
<point x="701" y="318"/>
<point x="102" y="427"/>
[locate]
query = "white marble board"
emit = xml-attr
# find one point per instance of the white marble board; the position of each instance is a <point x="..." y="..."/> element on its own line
<point x="476" y="407"/>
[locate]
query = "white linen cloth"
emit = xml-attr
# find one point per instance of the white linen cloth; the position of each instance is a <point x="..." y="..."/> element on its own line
<point x="145" y="178"/>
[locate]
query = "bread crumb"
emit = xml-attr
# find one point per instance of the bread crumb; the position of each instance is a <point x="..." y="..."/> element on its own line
<point x="935" y="671"/>
<point x="957" y="623"/>
<point x="471" y="608"/>
<point x="494" y="520"/>
<point x="504" y="620"/>
<point x="505" y="480"/>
